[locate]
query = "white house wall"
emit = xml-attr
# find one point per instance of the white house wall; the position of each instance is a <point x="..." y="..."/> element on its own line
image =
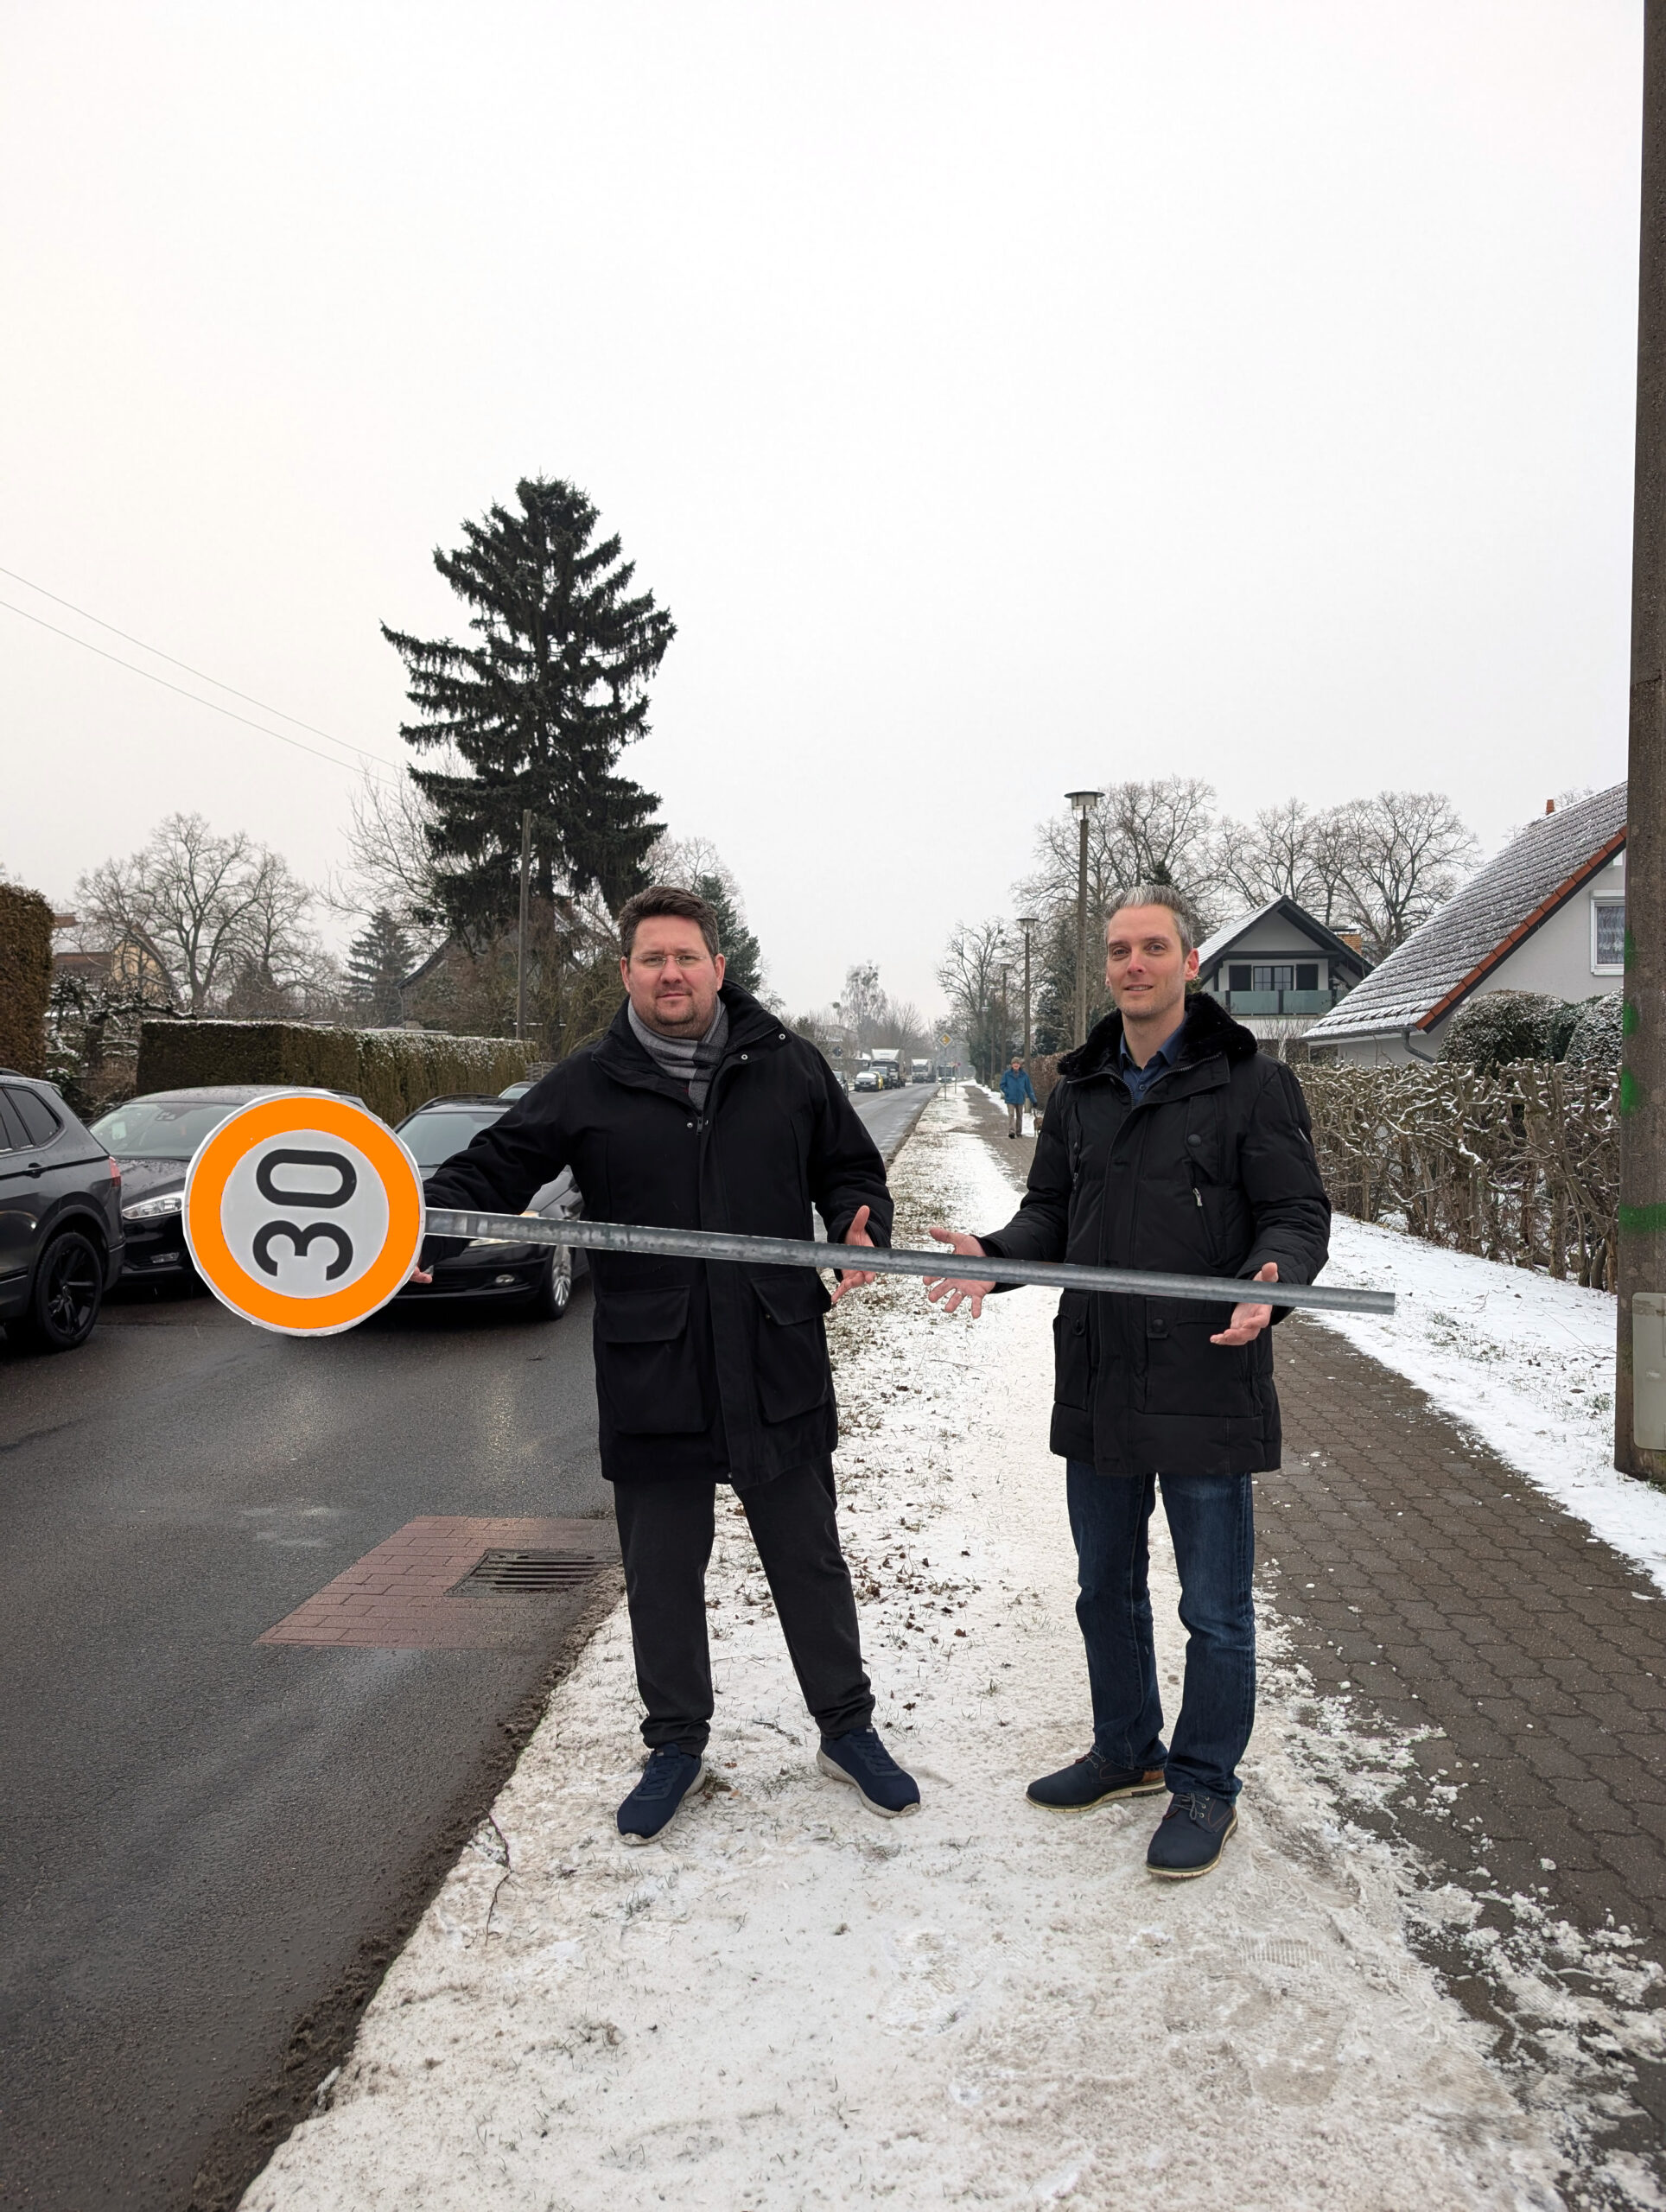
<point x="1556" y="958"/>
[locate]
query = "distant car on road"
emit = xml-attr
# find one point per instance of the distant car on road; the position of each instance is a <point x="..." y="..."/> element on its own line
<point x="870" y="1079"/>
<point x="537" y="1278"/>
<point x="154" y="1138"/>
<point x="61" y="1218"/>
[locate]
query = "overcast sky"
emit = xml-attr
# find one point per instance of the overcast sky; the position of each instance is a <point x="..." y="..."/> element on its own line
<point x="1001" y="399"/>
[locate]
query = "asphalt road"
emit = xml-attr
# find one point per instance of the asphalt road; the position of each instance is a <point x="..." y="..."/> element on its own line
<point x="891" y="1113"/>
<point x="209" y="1847"/>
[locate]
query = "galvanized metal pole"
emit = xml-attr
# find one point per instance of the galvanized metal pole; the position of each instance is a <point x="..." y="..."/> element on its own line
<point x="1026" y="995"/>
<point x="1640" y="1384"/>
<point x="526" y="908"/>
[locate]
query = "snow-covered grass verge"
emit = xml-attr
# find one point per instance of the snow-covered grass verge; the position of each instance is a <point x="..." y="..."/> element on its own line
<point x="787" y="2003"/>
<point x="1527" y="1363"/>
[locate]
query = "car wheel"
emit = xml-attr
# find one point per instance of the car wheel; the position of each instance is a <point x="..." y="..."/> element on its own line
<point x="555" y="1294"/>
<point x="66" y="1293"/>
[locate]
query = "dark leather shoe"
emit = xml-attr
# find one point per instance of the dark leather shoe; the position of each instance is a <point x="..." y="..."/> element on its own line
<point x="1092" y="1780"/>
<point x="1191" y="1836"/>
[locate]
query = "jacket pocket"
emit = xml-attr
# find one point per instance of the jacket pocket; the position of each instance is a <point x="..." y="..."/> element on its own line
<point x="645" y="1363"/>
<point x="1072" y="1355"/>
<point x="1186" y="1374"/>
<point x="793" y="1376"/>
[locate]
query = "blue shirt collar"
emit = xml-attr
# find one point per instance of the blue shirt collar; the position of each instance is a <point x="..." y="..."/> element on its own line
<point x="1162" y="1058"/>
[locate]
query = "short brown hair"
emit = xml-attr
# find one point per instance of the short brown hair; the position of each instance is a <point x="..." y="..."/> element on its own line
<point x="667" y="898"/>
<point x="1158" y="894"/>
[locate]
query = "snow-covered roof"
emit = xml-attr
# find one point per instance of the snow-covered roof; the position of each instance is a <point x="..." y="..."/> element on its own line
<point x="1212" y="947"/>
<point x="1438" y="965"/>
<point x="1324" y="940"/>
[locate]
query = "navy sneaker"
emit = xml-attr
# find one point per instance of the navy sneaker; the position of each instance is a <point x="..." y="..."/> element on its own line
<point x="652" y="1807"/>
<point x="1092" y="1780"/>
<point x="862" y="1760"/>
<point x="1191" y="1835"/>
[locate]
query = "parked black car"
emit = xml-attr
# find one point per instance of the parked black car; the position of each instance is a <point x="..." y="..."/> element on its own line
<point x="154" y="1138"/>
<point x="537" y="1278"/>
<point x="61" y="1218"/>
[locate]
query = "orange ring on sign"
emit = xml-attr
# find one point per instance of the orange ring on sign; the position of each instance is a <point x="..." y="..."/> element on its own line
<point x="204" y="1188"/>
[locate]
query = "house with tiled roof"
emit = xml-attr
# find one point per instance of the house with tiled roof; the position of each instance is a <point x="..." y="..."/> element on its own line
<point x="1278" y="969"/>
<point x="1549" y="914"/>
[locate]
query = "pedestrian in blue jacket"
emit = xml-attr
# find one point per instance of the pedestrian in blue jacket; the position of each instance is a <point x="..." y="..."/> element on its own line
<point x="1019" y="1092"/>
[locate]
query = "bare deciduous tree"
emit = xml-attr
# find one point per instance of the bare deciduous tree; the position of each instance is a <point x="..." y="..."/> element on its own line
<point x="970" y="974"/>
<point x="191" y="909"/>
<point x="1406" y="854"/>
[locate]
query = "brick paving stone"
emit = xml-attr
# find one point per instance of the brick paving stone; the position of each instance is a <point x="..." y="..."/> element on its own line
<point x="1493" y="1617"/>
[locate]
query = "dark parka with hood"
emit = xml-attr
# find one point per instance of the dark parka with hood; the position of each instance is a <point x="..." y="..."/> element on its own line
<point x="1212" y="1172"/>
<point x="703" y="1369"/>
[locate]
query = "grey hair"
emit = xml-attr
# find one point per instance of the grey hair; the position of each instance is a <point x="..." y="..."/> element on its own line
<point x="1159" y="894"/>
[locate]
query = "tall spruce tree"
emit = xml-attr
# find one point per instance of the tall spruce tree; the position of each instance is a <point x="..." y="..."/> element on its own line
<point x="744" y="964"/>
<point x="538" y="709"/>
<point x="378" y="960"/>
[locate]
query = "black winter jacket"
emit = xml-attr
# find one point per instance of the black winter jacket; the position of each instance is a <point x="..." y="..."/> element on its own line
<point x="702" y="1368"/>
<point x="1212" y="1172"/>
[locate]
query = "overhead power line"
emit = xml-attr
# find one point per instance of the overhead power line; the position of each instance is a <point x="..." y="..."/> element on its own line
<point x="376" y="760"/>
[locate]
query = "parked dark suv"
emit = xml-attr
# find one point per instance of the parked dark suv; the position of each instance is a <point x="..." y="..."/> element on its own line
<point x="61" y="1218"/>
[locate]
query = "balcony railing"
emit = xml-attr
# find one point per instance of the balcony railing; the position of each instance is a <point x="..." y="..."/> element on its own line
<point x="1280" y="1002"/>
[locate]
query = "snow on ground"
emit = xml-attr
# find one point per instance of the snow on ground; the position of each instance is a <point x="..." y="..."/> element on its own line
<point x="788" y="2003"/>
<point x="1525" y="1363"/>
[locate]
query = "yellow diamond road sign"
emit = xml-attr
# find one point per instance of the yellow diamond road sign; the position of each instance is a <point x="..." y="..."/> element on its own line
<point x="303" y="1213"/>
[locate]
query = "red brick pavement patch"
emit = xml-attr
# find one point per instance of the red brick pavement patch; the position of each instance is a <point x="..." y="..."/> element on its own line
<point x="396" y="1597"/>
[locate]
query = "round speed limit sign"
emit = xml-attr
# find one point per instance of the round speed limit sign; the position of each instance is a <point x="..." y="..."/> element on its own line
<point x="303" y="1213"/>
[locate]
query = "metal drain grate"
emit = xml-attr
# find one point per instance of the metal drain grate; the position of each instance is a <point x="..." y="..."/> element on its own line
<point x="506" y="1574"/>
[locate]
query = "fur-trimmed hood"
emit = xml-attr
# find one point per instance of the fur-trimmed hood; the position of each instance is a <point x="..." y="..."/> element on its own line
<point x="1208" y="1029"/>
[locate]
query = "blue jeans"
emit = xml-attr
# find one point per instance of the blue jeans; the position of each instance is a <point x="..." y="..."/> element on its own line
<point x="1210" y="1518"/>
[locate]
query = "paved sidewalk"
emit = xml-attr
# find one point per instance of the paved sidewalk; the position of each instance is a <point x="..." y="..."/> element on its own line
<point x="1493" y="1678"/>
<point x="1447" y="1593"/>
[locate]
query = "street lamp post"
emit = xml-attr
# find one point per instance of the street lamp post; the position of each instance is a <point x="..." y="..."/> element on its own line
<point x="1083" y="804"/>
<point x="526" y="912"/>
<point x="1028" y="924"/>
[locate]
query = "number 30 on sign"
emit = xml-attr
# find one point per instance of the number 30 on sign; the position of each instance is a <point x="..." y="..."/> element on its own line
<point x="303" y="1213"/>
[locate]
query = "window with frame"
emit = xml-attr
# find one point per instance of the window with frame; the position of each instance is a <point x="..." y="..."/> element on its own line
<point x="1238" y="979"/>
<point x="1306" y="974"/>
<point x="1608" y="935"/>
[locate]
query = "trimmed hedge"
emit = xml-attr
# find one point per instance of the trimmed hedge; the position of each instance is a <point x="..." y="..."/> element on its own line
<point x="393" y="1070"/>
<point x="25" y="978"/>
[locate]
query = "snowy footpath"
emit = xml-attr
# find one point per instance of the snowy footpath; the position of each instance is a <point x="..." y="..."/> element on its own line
<point x="786" y="2002"/>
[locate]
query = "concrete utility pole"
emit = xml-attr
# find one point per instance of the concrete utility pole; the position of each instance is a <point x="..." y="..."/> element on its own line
<point x="1640" y="1376"/>
<point x="1082" y="802"/>
<point x="526" y="909"/>
<point x="1027" y="923"/>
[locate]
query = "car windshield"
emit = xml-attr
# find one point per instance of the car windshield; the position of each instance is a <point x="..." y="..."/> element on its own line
<point x="435" y="1133"/>
<point x="162" y="1128"/>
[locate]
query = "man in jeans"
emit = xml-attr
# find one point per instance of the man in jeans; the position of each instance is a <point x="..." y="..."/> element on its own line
<point x="1018" y="1091"/>
<point x="1170" y="1143"/>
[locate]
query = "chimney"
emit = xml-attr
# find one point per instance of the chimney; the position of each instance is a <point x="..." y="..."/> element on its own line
<point x="1353" y="938"/>
<point x="1550" y="806"/>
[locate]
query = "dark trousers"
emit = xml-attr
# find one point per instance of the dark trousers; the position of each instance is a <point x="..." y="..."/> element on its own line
<point x="1210" y="1518"/>
<point x="666" y="1531"/>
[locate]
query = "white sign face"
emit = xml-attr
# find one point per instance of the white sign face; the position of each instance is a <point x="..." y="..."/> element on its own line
<point x="307" y="1211"/>
<point x="303" y="1213"/>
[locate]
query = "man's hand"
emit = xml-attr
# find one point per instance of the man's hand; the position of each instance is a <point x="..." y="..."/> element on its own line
<point x="855" y="1278"/>
<point x="420" y="1275"/>
<point x="951" y="1289"/>
<point x="1249" y="1321"/>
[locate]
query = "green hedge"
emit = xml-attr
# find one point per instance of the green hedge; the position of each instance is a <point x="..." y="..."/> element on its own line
<point x="25" y="978"/>
<point x="393" y="1070"/>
